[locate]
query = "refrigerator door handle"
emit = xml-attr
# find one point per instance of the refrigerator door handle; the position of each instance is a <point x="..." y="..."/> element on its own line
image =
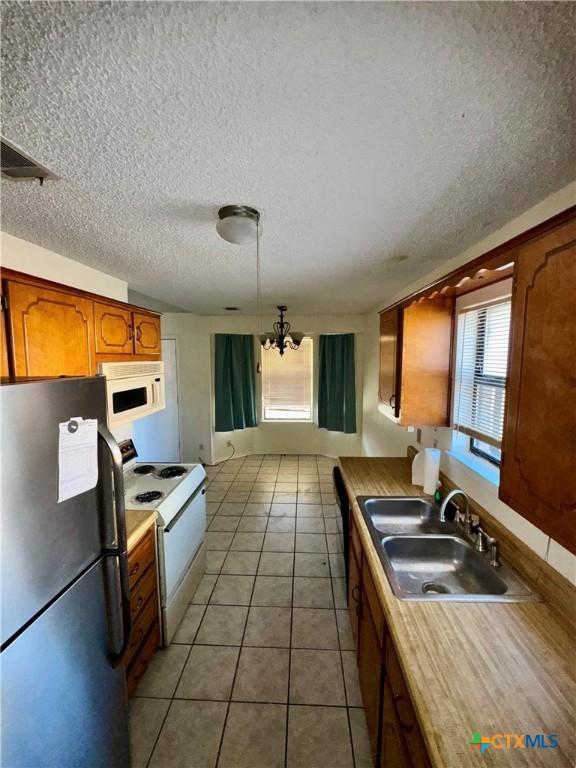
<point x="120" y="555"/>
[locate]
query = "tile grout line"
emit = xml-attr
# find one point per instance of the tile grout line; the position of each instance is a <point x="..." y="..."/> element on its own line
<point x="236" y="667"/>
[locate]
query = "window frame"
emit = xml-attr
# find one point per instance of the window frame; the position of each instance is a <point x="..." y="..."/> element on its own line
<point x="312" y="418"/>
<point x="500" y="291"/>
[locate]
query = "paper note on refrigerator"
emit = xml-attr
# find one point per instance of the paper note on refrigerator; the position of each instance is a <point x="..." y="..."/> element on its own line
<point x="77" y="457"/>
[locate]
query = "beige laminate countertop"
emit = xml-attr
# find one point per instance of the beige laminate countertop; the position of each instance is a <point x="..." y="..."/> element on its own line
<point x="137" y="523"/>
<point x="486" y="667"/>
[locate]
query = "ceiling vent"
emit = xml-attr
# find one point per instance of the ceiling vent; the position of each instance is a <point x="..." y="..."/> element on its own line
<point x="19" y="167"/>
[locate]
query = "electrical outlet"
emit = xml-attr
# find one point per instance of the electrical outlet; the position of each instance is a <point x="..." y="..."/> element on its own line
<point x="229" y="443"/>
<point x="201" y="447"/>
<point x="418" y="435"/>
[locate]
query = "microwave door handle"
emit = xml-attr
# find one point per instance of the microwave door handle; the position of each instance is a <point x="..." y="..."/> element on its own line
<point x="120" y="555"/>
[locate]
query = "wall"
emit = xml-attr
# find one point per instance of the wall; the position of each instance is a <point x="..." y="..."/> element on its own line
<point x="195" y="334"/>
<point x="34" y="260"/>
<point x="382" y="437"/>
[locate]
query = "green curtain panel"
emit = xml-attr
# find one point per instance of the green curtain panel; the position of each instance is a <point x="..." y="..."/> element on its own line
<point x="337" y="383"/>
<point x="234" y="382"/>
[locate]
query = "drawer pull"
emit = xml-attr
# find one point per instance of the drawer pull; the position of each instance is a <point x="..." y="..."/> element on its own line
<point x="139" y="603"/>
<point x="135" y="568"/>
<point x="356" y="593"/>
<point x="135" y="640"/>
<point x="398" y="700"/>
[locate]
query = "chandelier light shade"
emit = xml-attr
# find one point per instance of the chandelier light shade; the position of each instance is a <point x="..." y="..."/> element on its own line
<point x="238" y="224"/>
<point x="281" y="337"/>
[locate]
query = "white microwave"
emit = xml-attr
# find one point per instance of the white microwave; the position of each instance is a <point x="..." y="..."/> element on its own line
<point x="133" y="390"/>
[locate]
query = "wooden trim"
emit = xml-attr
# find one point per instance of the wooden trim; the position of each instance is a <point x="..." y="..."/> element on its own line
<point x="492" y="259"/>
<point x="22" y="277"/>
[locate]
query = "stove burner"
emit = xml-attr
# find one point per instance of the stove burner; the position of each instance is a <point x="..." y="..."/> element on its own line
<point x="148" y="496"/>
<point x="145" y="469"/>
<point x="169" y="472"/>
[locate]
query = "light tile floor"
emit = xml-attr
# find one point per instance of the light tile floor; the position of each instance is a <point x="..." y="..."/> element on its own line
<point x="261" y="673"/>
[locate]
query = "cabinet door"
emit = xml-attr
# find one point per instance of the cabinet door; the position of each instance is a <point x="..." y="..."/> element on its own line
<point x="147" y="334"/>
<point x="52" y="331"/>
<point x="389" y="381"/>
<point x="537" y="476"/>
<point x="392" y="753"/>
<point x="371" y="673"/>
<point x="426" y="362"/>
<point x="4" y="366"/>
<point x="354" y="591"/>
<point x="113" y="330"/>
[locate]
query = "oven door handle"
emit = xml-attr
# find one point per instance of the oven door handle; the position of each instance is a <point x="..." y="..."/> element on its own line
<point x="120" y="553"/>
<point x="201" y="489"/>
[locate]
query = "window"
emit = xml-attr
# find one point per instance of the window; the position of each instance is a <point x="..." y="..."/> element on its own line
<point x="287" y="383"/>
<point x="480" y="381"/>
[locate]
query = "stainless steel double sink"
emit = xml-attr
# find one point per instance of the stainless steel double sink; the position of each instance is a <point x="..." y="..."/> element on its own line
<point x="430" y="560"/>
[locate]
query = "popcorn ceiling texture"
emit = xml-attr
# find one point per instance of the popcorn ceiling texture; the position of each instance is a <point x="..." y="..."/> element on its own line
<point x="362" y="131"/>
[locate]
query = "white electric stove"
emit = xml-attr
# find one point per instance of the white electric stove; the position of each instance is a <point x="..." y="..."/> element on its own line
<point x="178" y="494"/>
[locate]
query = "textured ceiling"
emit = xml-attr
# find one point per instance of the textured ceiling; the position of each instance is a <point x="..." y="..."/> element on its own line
<point x="362" y="131"/>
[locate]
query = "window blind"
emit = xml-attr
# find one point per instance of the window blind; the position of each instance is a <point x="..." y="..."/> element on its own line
<point x="287" y="383"/>
<point x="481" y="368"/>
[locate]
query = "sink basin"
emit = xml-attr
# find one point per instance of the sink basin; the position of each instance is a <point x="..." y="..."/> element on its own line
<point x="439" y="565"/>
<point x="404" y="515"/>
<point x="425" y="559"/>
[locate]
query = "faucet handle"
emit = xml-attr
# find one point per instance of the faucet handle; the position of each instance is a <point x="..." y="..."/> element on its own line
<point x="494" y="545"/>
<point x="481" y="539"/>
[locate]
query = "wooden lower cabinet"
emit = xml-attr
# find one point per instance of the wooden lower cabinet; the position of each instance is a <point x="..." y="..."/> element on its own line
<point x="145" y="635"/>
<point x="392" y="751"/>
<point x="395" y="738"/>
<point x="354" y="580"/>
<point x="371" y="674"/>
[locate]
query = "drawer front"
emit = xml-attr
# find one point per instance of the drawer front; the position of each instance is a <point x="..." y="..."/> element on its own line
<point x="148" y="615"/>
<point x="140" y="557"/>
<point x="355" y="538"/>
<point x="140" y="662"/>
<point x="145" y="587"/>
<point x="405" y="713"/>
<point x="373" y="601"/>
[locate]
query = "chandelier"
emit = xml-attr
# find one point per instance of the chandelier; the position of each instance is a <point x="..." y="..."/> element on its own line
<point x="281" y="338"/>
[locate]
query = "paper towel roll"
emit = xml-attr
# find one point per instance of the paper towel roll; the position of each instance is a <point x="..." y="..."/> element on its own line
<point x="431" y="469"/>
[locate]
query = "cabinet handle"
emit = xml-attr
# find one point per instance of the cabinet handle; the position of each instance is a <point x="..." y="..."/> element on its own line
<point x="355" y="593"/>
<point x="138" y="333"/>
<point x="408" y="727"/>
<point x="135" y="568"/>
<point x="130" y="333"/>
<point x="392" y="397"/>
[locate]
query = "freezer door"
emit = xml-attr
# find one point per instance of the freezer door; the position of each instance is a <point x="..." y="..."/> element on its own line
<point x="45" y="545"/>
<point x="63" y="701"/>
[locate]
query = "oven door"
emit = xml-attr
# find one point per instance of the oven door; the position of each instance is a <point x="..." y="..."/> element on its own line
<point x="181" y="539"/>
<point x="132" y="398"/>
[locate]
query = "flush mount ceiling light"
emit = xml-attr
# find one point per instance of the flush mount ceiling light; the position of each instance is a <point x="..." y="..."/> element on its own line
<point x="238" y="224"/>
<point x="282" y="337"/>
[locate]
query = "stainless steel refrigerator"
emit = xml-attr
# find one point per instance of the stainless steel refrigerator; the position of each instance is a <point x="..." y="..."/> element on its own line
<point x="65" y="616"/>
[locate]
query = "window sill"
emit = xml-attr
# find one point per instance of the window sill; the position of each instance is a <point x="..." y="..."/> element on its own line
<point x="479" y="466"/>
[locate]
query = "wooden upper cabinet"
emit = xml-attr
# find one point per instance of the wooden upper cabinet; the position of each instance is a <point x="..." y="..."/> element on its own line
<point x="389" y="381"/>
<point x="415" y="361"/>
<point x="146" y="334"/>
<point x="114" y="334"/>
<point x="538" y="476"/>
<point x="426" y="362"/>
<point x="52" y="332"/>
<point x="4" y="364"/>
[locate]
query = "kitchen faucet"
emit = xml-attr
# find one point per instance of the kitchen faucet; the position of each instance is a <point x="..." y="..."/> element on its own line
<point x="467" y="515"/>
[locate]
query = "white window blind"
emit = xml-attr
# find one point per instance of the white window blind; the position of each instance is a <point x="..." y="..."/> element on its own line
<point x="481" y="367"/>
<point x="287" y="383"/>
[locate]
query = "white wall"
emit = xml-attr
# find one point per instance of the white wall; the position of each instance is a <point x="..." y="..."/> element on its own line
<point x="382" y="437"/>
<point x="195" y="335"/>
<point x="34" y="260"/>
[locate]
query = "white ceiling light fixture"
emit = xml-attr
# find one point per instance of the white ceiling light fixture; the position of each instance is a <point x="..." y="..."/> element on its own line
<point x="238" y="224"/>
